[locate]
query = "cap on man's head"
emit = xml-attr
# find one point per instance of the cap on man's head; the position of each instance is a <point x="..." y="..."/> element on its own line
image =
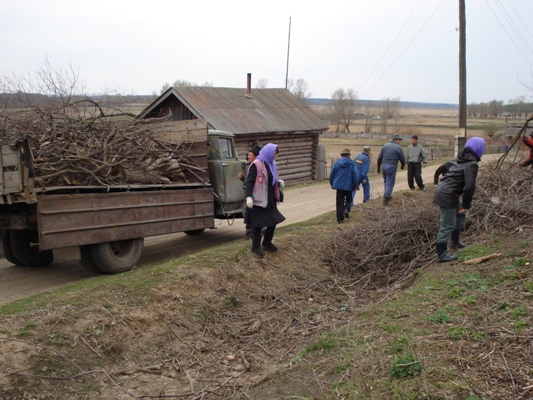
<point x="396" y="136"/>
<point x="346" y="152"/>
<point x="366" y="149"/>
<point x="414" y="137"/>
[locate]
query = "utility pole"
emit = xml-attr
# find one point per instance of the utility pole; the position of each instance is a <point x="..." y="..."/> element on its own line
<point x="288" y="51"/>
<point x="461" y="134"/>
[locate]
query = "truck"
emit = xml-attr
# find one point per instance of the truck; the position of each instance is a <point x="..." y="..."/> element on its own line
<point x="108" y="224"/>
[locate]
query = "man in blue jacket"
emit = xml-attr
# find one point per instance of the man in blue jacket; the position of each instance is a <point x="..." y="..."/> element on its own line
<point x="362" y="162"/>
<point x="388" y="159"/>
<point x="344" y="178"/>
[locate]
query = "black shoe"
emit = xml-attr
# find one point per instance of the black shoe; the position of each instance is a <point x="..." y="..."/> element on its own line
<point x="340" y="221"/>
<point x="257" y="252"/>
<point x="346" y="214"/>
<point x="270" y="247"/>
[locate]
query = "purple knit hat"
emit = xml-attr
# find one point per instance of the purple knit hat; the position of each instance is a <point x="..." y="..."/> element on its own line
<point x="476" y="145"/>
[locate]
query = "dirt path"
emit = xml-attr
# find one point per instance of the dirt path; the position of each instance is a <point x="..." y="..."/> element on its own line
<point x="302" y="202"/>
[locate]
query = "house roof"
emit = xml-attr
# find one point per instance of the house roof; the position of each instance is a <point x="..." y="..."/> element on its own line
<point x="236" y="111"/>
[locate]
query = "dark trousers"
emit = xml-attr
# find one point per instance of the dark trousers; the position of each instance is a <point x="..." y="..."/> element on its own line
<point x="414" y="173"/>
<point x="344" y="201"/>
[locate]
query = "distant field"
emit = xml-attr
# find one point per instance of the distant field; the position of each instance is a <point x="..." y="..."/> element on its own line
<point x="436" y="129"/>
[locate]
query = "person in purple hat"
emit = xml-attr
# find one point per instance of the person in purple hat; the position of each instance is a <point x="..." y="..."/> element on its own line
<point x="454" y="196"/>
<point x="262" y="197"/>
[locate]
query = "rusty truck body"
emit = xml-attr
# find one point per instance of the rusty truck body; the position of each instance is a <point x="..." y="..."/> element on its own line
<point x="109" y="223"/>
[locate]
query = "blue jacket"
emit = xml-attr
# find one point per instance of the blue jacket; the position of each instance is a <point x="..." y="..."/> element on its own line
<point x="344" y="175"/>
<point x="362" y="162"/>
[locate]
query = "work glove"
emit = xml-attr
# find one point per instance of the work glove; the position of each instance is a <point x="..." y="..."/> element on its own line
<point x="364" y="182"/>
<point x="249" y="202"/>
<point x="281" y="184"/>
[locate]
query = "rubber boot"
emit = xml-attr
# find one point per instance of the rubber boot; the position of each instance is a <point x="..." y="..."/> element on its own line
<point x="442" y="254"/>
<point x="267" y="240"/>
<point x="256" y="245"/>
<point x="456" y="240"/>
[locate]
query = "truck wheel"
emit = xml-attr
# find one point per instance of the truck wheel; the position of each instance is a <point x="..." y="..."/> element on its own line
<point x="86" y="260"/>
<point x="8" y="253"/>
<point x="195" y="232"/>
<point x="24" y="253"/>
<point x="116" y="257"/>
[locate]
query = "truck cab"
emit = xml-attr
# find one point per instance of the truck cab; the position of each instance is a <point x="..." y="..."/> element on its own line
<point x="224" y="167"/>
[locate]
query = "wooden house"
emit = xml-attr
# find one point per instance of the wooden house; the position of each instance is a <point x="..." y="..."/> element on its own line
<point x="255" y="116"/>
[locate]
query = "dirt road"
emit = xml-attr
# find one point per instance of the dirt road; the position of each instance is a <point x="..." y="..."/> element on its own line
<point x="302" y="202"/>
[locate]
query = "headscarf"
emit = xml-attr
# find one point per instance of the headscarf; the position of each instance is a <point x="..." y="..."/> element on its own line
<point x="476" y="145"/>
<point x="266" y="155"/>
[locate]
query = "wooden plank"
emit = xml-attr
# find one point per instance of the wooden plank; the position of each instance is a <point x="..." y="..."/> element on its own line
<point x="79" y="219"/>
<point x="189" y="131"/>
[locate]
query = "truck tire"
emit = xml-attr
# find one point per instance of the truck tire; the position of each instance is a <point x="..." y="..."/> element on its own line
<point x="195" y="232"/>
<point x="8" y="253"/>
<point x="116" y="257"/>
<point x="27" y="255"/>
<point x="86" y="260"/>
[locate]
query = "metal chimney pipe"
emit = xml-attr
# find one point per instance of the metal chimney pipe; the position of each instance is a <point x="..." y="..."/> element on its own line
<point x="249" y="84"/>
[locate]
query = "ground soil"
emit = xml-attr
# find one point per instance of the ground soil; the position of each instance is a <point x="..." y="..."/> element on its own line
<point x="302" y="202"/>
<point x="222" y="330"/>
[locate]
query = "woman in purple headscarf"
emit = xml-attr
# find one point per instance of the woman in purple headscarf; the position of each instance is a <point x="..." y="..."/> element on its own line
<point x="262" y="195"/>
<point x="454" y="196"/>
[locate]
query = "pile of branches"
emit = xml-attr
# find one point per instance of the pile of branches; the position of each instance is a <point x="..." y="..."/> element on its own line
<point x="391" y="243"/>
<point x="79" y="142"/>
<point x="387" y="245"/>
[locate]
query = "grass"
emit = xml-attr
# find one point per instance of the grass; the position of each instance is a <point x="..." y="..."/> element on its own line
<point x="442" y="337"/>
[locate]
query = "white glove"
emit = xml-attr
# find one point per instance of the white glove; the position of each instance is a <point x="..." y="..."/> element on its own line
<point x="249" y="202"/>
<point x="281" y="184"/>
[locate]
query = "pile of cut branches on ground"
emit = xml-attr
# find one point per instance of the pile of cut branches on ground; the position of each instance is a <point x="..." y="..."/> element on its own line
<point x="392" y="242"/>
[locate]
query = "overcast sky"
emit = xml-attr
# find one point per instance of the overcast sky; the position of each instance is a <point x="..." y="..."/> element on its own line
<point x="381" y="48"/>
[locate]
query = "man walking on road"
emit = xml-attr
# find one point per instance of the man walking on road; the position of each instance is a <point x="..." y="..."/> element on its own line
<point x="416" y="160"/>
<point x="362" y="162"/>
<point x="388" y="159"/>
<point x="344" y="178"/>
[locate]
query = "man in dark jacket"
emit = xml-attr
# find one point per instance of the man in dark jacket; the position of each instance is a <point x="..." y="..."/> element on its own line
<point x="454" y="196"/>
<point x="388" y="159"/>
<point x="344" y="178"/>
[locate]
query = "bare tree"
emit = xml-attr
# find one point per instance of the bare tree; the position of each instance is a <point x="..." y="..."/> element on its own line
<point x="370" y="113"/>
<point x="389" y="110"/>
<point x="262" y="84"/>
<point x="344" y="105"/>
<point x="300" y="89"/>
<point x="337" y="107"/>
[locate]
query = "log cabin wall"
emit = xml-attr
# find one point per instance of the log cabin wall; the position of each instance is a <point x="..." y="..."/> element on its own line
<point x="297" y="158"/>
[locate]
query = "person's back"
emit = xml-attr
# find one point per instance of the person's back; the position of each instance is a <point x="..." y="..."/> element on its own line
<point x="391" y="154"/>
<point x="341" y="176"/>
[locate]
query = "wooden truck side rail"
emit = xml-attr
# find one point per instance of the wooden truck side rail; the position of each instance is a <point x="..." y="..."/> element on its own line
<point x="66" y="220"/>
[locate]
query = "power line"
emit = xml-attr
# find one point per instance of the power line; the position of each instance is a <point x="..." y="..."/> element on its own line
<point x="507" y="33"/>
<point x="513" y="25"/>
<point x="390" y="45"/>
<point x="404" y="50"/>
